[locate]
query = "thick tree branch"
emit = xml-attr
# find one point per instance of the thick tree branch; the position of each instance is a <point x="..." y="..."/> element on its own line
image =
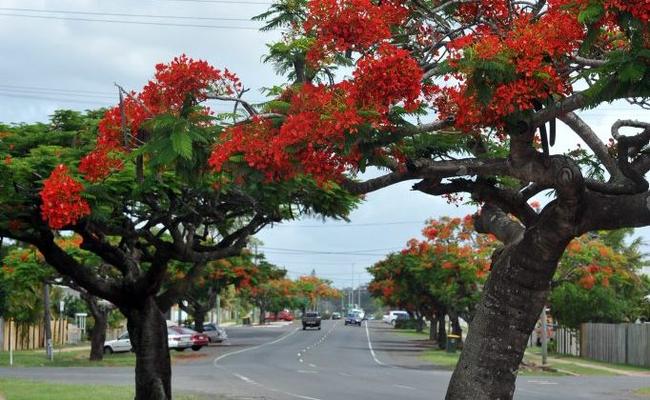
<point x="493" y="220"/>
<point x="585" y="132"/>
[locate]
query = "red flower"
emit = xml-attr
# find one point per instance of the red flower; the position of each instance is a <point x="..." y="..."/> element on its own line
<point x="62" y="203"/>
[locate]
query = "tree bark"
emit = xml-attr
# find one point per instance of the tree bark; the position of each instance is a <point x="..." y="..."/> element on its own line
<point x="432" y="329"/>
<point x="98" y="333"/>
<point x="512" y="299"/>
<point x="442" y="332"/>
<point x="148" y="334"/>
<point x="199" y="319"/>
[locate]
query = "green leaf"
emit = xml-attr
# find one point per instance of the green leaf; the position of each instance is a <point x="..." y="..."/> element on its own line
<point x="632" y="72"/>
<point x="181" y="144"/>
<point x="591" y="14"/>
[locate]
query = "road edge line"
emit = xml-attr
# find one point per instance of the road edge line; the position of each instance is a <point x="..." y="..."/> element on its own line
<point x="372" y="352"/>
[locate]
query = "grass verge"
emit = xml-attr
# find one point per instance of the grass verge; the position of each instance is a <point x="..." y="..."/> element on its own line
<point x="79" y="358"/>
<point x="25" y="389"/>
<point x="643" y="392"/>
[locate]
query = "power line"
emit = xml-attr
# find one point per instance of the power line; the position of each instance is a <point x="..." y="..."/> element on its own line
<point x="56" y="89"/>
<point x="352" y="225"/>
<point x="109" y="14"/>
<point x="302" y="251"/>
<point x="222" y="2"/>
<point x="52" y="17"/>
<point x="27" y="96"/>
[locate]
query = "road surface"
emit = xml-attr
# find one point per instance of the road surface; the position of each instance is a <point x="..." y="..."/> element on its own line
<point x="335" y="363"/>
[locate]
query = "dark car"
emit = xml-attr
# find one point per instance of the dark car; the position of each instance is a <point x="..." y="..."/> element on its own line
<point x="311" y="319"/>
<point x="353" y="319"/>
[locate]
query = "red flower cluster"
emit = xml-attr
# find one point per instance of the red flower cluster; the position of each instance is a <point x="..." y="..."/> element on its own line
<point x="342" y="25"/>
<point x="528" y="47"/>
<point x="183" y="80"/>
<point x="388" y="77"/>
<point x="62" y="203"/>
<point x="309" y="141"/>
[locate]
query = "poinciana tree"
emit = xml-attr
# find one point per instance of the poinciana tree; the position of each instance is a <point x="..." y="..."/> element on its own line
<point x="25" y="271"/>
<point x="495" y="73"/>
<point x="311" y="289"/>
<point x="598" y="281"/>
<point x="439" y="276"/>
<point x="135" y="185"/>
<point x="200" y="296"/>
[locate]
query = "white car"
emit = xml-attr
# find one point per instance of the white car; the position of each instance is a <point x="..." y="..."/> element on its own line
<point x="177" y="339"/>
<point x="391" y="316"/>
<point x="121" y="344"/>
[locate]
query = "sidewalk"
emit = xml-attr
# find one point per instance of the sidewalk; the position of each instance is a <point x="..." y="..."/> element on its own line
<point x="400" y="350"/>
<point x="586" y="364"/>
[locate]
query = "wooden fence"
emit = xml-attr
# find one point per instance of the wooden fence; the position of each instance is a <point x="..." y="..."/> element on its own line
<point x="616" y="343"/>
<point x="567" y="341"/>
<point x="28" y="337"/>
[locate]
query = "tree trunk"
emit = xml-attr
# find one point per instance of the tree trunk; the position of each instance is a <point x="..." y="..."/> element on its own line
<point x="442" y="331"/>
<point x="98" y="336"/>
<point x="505" y="316"/>
<point x="456" y="329"/>
<point x="148" y="334"/>
<point x="262" y="315"/>
<point x="47" y="320"/>
<point x="432" y="329"/>
<point x="419" y="325"/>
<point x="199" y="319"/>
<point x="98" y="333"/>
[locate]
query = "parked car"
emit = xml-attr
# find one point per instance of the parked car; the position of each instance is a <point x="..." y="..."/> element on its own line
<point x="177" y="339"/>
<point x="214" y="332"/>
<point x="121" y="344"/>
<point x="391" y="316"/>
<point x="311" y="319"/>
<point x="285" y="315"/>
<point x="353" y="319"/>
<point x="336" y="315"/>
<point x="198" y="339"/>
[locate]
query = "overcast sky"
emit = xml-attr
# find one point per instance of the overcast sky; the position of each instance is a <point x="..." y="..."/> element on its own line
<point x="63" y="58"/>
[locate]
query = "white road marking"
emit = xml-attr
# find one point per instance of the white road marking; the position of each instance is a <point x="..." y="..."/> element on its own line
<point x="312" y="365"/>
<point x="404" y="387"/>
<point x="305" y="371"/>
<point x="244" y="378"/>
<point x="232" y="353"/>
<point x="372" y="352"/>
<point x="543" y="382"/>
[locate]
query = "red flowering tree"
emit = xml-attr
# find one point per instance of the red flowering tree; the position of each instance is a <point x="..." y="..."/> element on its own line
<point x="135" y="185"/>
<point x="598" y="280"/>
<point x="491" y="77"/>
<point x="198" y="296"/>
<point x="439" y="276"/>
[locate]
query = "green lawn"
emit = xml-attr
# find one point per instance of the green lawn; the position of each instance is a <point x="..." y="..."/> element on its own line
<point x="643" y="392"/>
<point x="79" y="358"/>
<point x="23" y="389"/>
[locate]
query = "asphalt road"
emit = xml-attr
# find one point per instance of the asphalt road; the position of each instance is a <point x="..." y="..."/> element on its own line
<point x="338" y="362"/>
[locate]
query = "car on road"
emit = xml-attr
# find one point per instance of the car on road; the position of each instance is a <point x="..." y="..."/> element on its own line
<point x="119" y="345"/>
<point x="353" y="319"/>
<point x="311" y="319"/>
<point x="392" y="315"/>
<point x="177" y="339"/>
<point x="214" y="332"/>
<point x="336" y="315"/>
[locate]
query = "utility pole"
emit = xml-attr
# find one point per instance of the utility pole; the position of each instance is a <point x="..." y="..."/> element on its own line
<point x="544" y="338"/>
<point x="47" y="321"/>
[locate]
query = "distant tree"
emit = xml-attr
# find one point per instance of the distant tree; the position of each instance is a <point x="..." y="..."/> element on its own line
<point x="24" y="272"/>
<point x="597" y="281"/>
<point x="441" y="275"/>
<point x="141" y="188"/>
